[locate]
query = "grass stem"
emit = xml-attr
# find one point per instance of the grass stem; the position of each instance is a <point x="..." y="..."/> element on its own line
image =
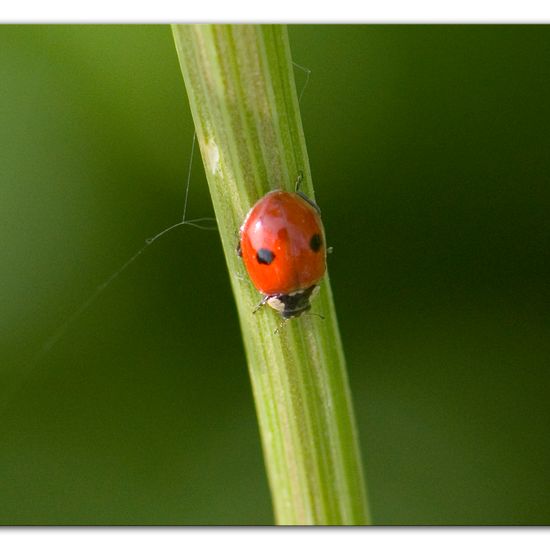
<point x="242" y="93"/>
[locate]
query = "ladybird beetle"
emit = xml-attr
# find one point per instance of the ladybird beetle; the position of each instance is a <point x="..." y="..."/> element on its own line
<point x="282" y="244"/>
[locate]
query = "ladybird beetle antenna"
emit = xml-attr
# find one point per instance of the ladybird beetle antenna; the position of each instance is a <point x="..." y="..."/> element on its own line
<point x="316" y="314"/>
<point x="298" y="183"/>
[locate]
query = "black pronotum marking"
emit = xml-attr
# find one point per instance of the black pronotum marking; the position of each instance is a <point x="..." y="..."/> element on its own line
<point x="265" y="256"/>
<point x="316" y="242"/>
<point x="295" y="304"/>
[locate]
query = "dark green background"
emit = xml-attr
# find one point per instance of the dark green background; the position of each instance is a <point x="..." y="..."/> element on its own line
<point x="429" y="148"/>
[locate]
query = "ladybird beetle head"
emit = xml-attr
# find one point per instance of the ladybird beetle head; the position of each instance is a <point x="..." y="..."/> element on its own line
<point x="293" y="304"/>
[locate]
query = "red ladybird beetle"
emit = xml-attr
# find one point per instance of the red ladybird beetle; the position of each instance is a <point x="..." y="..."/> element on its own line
<point x="282" y="244"/>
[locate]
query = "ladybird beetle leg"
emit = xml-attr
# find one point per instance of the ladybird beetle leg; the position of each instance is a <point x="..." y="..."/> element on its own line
<point x="330" y="250"/>
<point x="298" y="191"/>
<point x="238" y="247"/>
<point x="309" y="201"/>
<point x="299" y="180"/>
<point x="262" y="303"/>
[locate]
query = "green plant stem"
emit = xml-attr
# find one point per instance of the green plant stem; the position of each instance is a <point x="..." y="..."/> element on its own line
<point x="242" y="93"/>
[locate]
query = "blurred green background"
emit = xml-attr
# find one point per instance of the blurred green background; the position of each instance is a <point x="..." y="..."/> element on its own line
<point x="429" y="148"/>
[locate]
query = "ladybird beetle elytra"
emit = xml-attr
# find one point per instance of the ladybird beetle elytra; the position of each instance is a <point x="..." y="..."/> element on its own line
<point x="282" y="245"/>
